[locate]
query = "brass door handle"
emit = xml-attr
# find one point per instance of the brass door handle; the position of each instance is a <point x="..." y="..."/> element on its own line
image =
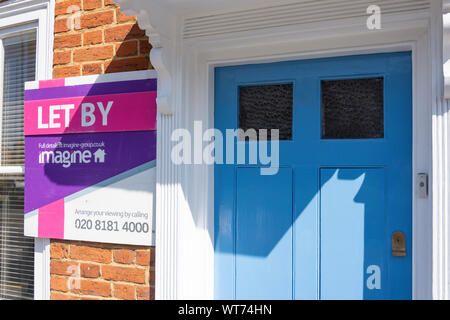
<point x="398" y="244"/>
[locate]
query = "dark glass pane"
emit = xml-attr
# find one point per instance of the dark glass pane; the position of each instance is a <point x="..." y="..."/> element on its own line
<point x="352" y="109"/>
<point x="267" y="107"/>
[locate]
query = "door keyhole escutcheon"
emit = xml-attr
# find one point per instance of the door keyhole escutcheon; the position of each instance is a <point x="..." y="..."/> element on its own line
<point x="398" y="244"/>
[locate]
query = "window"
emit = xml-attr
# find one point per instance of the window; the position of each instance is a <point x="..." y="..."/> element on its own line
<point x="17" y="65"/>
<point x="24" y="29"/>
<point x="267" y="107"/>
<point x="353" y="109"/>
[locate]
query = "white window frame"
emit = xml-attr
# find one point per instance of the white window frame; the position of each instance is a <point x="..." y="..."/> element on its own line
<point x="16" y="17"/>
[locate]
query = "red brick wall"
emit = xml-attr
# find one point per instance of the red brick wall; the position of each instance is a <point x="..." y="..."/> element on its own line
<point x="94" y="271"/>
<point x="99" y="39"/>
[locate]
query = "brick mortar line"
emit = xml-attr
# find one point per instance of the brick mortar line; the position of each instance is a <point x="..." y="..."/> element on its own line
<point x="81" y="63"/>
<point x="147" y="270"/>
<point x="139" y="54"/>
<point x="67" y="259"/>
<point x="91" y="297"/>
<point x="89" y="11"/>
<point x="136" y="288"/>
<point x="112" y="246"/>
<point x="68" y="294"/>
<point x="111" y="282"/>
<point x="82" y="260"/>
<point x="80" y="295"/>
<point x="98" y="28"/>
<point x="82" y="243"/>
<point x="140" y="286"/>
<point x="112" y="263"/>
<point x="99" y="45"/>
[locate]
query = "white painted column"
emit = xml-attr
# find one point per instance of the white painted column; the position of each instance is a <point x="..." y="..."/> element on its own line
<point x="441" y="158"/>
<point x="441" y="200"/>
<point x="167" y="191"/>
<point x="167" y="185"/>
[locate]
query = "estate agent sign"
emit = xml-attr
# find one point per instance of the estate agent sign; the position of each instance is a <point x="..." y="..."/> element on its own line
<point x="90" y="150"/>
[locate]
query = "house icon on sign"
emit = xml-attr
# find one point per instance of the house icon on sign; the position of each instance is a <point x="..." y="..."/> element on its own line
<point x="99" y="156"/>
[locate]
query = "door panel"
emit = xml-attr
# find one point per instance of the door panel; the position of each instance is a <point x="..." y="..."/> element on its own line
<point x="306" y="232"/>
<point x="263" y="217"/>
<point x="345" y="161"/>
<point x="353" y="235"/>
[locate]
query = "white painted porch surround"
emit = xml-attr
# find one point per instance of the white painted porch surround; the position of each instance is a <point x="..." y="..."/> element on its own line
<point x="191" y="37"/>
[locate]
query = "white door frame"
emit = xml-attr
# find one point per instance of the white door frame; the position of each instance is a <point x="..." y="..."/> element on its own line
<point x="421" y="215"/>
<point x="18" y="16"/>
<point x="195" y="101"/>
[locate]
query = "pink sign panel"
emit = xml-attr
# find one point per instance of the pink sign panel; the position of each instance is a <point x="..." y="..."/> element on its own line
<point x="105" y="113"/>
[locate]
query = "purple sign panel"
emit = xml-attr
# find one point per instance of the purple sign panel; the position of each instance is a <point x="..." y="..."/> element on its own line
<point x="83" y="185"/>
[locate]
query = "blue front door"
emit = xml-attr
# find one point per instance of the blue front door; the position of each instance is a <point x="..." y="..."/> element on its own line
<point x="334" y="222"/>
